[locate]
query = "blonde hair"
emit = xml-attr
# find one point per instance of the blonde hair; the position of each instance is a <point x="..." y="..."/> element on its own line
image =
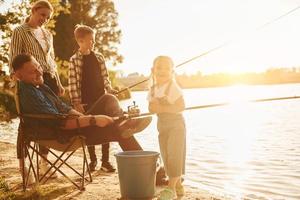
<point x="38" y="5"/>
<point x="166" y="58"/>
<point x="160" y="58"/>
<point x="82" y="30"/>
<point x="41" y="4"/>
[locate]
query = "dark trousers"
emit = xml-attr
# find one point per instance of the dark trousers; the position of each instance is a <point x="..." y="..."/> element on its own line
<point x="95" y="135"/>
<point x="104" y="151"/>
<point x="108" y="105"/>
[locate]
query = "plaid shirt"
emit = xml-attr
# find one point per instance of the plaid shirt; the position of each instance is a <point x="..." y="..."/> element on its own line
<point x="75" y="75"/>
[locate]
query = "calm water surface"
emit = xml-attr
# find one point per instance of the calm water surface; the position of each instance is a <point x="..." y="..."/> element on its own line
<point x="244" y="150"/>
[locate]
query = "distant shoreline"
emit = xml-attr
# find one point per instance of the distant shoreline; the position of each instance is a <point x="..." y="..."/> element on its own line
<point x="199" y="80"/>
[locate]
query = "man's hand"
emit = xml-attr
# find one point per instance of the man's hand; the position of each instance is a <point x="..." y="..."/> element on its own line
<point x="103" y="120"/>
<point x="79" y="107"/>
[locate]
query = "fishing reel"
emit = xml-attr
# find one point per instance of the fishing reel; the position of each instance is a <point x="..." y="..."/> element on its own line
<point x="133" y="110"/>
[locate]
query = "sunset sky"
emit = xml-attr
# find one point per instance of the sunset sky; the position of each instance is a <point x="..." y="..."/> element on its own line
<point x="184" y="29"/>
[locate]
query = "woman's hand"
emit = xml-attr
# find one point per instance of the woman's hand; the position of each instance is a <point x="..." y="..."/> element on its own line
<point x="61" y="90"/>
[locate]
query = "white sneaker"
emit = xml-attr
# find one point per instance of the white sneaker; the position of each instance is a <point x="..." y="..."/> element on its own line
<point x="44" y="166"/>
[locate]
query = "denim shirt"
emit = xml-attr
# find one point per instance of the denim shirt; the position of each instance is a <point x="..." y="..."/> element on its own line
<point x="41" y="100"/>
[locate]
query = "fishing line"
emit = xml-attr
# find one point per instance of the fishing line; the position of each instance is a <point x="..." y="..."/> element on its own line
<point x="220" y="104"/>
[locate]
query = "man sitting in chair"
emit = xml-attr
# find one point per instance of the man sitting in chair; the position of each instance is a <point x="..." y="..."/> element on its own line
<point x="37" y="98"/>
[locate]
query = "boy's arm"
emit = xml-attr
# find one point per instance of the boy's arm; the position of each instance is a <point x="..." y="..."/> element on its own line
<point x="157" y="107"/>
<point x="72" y="81"/>
<point x="105" y="75"/>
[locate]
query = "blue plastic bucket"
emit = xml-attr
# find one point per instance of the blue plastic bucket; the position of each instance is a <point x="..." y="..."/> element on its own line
<point x="137" y="173"/>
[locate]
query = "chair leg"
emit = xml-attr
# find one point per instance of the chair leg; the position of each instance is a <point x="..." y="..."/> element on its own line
<point x="22" y="167"/>
<point x="27" y="155"/>
<point x="85" y="159"/>
<point x="22" y="164"/>
<point x="52" y="165"/>
<point x="37" y="164"/>
<point x="84" y="163"/>
<point x="30" y="158"/>
<point x="59" y="158"/>
<point x="83" y="146"/>
<point x="34" y="149"/>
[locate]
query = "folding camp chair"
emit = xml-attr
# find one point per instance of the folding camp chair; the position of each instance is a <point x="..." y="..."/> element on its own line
<point x="28" y="149"/>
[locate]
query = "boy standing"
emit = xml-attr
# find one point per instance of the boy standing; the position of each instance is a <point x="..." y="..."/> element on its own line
<point x="88" y="80"/>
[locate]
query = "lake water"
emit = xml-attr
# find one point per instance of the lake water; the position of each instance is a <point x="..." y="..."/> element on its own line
<point x="243" y="150"/>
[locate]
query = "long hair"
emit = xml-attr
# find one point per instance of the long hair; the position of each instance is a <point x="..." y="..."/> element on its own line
<point x="40" y="4"/>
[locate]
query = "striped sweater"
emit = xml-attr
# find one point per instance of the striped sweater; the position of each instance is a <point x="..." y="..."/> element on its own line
<point x="24" y="41"/>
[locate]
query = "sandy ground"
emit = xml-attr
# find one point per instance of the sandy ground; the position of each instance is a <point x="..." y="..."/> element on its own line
<point x="104" y="186"/>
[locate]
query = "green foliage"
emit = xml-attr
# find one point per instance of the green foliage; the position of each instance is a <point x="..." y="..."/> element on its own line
<point x="8" y="22"/>
<point x="14" y="17"/>
<point x="5" y="191"/>
<point x="101" y="16"/>
<point x="7" y="103"/>
<point x="3" y="185"/>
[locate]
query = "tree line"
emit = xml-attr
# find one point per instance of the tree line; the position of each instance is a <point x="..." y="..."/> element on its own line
<point x="101" y="15"/>
<point x="200" y="80"/>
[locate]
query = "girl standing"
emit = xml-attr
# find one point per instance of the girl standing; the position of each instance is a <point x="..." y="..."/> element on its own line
<point x="166" y="100"/>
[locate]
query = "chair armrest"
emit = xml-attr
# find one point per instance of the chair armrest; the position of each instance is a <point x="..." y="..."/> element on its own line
<point x="48" y="116"/>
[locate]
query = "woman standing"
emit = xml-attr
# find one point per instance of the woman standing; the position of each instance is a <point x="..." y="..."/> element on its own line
<point x="32" y="38"/>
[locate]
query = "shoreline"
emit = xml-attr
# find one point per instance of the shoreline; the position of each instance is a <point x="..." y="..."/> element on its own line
<point x="105" y="186"/>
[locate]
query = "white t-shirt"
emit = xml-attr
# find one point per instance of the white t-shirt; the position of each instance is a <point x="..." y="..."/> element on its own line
<point x="171" y="96"/>
<point x="41" y="37"/>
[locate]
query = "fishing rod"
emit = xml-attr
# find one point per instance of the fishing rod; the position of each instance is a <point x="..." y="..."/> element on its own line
<point x="131" y="116"/>
<point x="218" y="47"/>
<point x="201" y="55"/>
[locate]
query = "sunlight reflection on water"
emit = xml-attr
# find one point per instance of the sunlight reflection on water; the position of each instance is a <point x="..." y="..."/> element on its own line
<point x="244" y="150"/>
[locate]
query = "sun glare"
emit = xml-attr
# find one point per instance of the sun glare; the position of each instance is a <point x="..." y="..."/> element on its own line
<point x="238" y="145"/>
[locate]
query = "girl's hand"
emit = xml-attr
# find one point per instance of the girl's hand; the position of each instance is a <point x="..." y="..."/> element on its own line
<point x="154" y="107"/>
<point x="155" y="100"/>
<point x="163" y="101"/>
